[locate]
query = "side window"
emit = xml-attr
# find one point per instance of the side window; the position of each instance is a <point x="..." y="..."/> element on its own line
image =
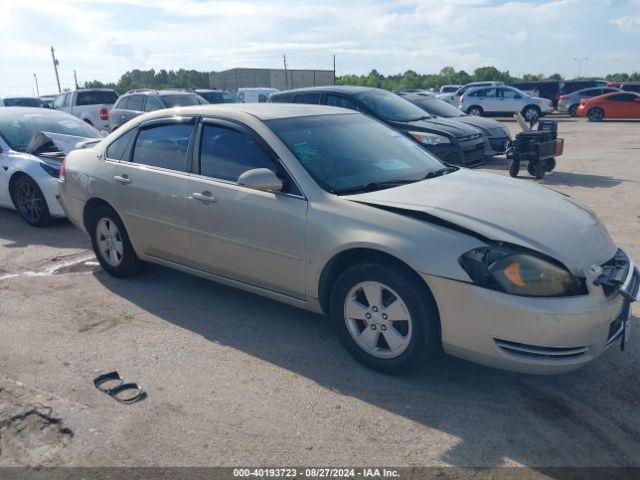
<point x="163" y="146"/>
<point x="310" y="98"/>
<point x="623" y="97"/>
<point x="483" y="92"/>
<point x="262" y="98"/>
<point x="226" y="153"/>
<point x="135" y="103"/>
<point x="117" y="149"/>
<point x="67" y="99"/>
<point x="59" y="101"/>
<point x="506" y="93"/>
<point x="338" y="101"/>
<point x="152" y="103"/>
<point x="282" y="99"/>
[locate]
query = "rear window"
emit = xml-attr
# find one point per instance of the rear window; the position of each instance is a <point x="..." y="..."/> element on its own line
<point x="22" y="102"/>
<point x="178" y="100"/>
<point x="96" y="97"/>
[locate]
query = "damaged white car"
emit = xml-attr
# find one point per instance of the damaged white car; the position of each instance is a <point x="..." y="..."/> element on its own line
<point x="332" y="211"/>
<point x="33" y="143"/>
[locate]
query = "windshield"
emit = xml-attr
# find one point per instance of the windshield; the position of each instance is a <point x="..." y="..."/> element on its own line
<point x="439" y="108"/>
<point x="350" y="151"/>
<point x="219" y="97"/>
<point x="180" y="100"/>
<point x="22" y="102"/>
<point x="389" y="106"/>
<point x="18" y="129"/>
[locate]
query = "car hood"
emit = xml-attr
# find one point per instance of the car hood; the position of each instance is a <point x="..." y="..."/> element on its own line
<point x="508" y="210"/>
<point x="488" y="124"/>
<point x="450" y="127"/>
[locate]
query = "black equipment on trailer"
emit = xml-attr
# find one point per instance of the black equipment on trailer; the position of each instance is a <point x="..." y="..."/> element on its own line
<point x="538" y="148"/>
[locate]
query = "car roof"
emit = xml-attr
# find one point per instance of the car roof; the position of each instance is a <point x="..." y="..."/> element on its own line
<point x="331" y="88"/>
<point x="18" y="111"/>
<point x="262" y="111"/>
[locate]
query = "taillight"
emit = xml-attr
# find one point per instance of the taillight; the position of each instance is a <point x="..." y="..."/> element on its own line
<point x="462" y="99"/>
<point x="63" y="173"/>
<point x="564" y="97"/>
<point x="104" y="114"/>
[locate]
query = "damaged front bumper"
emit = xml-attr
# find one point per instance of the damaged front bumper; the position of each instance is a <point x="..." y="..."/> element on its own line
<point x="535" y="335"/>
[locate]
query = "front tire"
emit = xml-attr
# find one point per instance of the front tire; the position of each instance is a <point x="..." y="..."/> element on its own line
<point x="384" y="319"/>
<point x="30" y="202"/>
<point x="573" y="110"/>
<point x="111" y="243"/>
<point x="514" y="168"/>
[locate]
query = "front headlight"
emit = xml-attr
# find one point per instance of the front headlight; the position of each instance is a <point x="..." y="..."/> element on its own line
<point x="519" y="272"/>
<point x="430" y="138"/>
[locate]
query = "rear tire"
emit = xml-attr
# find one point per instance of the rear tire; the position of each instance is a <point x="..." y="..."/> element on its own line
<point x="30" y="202"/>
<point x="111" y="243"/>
<point x="514" y="168"/>
<point x="549" y="164"/>
<point x="475" y="111"/>
<point x="596" y="114"/>
<point x="360" y="297"/>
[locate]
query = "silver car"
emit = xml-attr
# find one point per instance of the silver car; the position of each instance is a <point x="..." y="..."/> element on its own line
<point x="332" y="211"/>
<point x="570" y="102"/>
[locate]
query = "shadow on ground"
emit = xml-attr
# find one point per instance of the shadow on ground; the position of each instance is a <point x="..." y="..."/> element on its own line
<point x="60" y="234"/>
<point x="584" y="418"/>
<point x="557" y="177"/>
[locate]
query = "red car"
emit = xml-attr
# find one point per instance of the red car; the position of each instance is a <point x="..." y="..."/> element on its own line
<point x="610" y="105"/>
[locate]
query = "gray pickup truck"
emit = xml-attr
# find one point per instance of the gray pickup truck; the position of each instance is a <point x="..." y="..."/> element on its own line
<point x="91" y="105"/>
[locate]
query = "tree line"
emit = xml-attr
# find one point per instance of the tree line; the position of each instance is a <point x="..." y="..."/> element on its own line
<point x="166" y="79"/>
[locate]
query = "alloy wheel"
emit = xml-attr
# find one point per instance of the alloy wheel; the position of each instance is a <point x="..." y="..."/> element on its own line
<point x="378" y="319"/>
<point x="30" y="202"/>
<point x="109" y="241"/>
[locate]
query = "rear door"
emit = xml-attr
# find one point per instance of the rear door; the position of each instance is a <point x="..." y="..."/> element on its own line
<point x="509" y="101"/>
<point x="150" y="188"/>
<point x="239" y="233"/>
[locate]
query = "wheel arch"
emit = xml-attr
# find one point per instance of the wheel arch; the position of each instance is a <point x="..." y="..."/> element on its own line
<point x="352" y="256"/>
<point x="90" y="206"/>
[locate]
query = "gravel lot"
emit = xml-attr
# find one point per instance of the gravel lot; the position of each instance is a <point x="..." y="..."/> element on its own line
<point x="237" y="380"/>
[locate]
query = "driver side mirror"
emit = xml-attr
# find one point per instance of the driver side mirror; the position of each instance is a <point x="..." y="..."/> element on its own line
<point x="261" y="179"/>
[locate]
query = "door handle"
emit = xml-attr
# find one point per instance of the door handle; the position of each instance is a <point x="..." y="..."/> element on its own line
<point x="205" y="197"/>
<point x="122" y="179"/>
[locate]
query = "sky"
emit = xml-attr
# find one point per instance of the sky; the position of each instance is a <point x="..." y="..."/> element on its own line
<point x="102" y="39"/>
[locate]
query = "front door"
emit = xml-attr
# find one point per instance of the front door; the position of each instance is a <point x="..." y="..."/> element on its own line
<point x="150" y="190"/>
<point x="239" y="233"/>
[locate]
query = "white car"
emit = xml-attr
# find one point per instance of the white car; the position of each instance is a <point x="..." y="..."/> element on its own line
<point x="33" y="143"/>
<point x="255" y="95"/>
<point x="454" y="97"/>
<point x="89" y="104"/>
<point x="503" y="100"/>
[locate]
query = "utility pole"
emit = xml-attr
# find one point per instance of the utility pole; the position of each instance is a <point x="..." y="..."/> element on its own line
<point x="286" y="78"/>
<point x="37" y="88"/>
<point x="334" y="68"/>
<point x="580" y="61"/>
<point x="55" y="67"/>
<point x="75" y="79"/>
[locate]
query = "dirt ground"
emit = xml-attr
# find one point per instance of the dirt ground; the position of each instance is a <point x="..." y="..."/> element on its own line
<point x="237" y="380"/>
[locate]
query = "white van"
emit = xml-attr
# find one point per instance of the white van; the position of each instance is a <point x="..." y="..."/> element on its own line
<point x="255" y="95"/>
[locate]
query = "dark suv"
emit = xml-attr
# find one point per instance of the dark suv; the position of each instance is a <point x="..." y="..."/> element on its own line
<point x="452" y="142"/>
<point x="137" y="102"/>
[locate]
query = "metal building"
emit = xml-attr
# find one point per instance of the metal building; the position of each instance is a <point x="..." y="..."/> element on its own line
<point x="236" y="78"/>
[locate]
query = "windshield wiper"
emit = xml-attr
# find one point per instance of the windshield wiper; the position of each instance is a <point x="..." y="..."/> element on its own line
<point x="440" y="172"/>
<point x="371" y="186"/>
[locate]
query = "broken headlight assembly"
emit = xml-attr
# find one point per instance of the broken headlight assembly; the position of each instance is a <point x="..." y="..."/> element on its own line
<point x="520" y="272"/>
